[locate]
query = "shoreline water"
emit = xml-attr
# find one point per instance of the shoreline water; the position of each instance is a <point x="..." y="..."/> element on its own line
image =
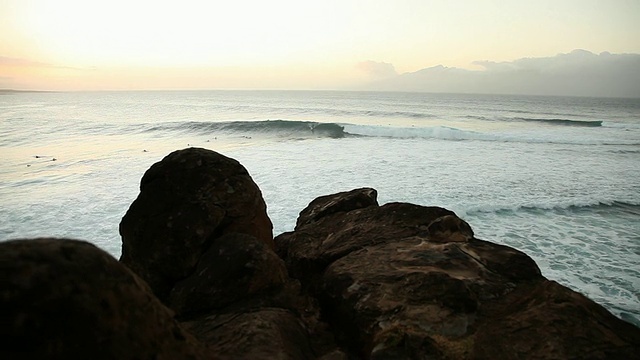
<point x="521" y="183"/>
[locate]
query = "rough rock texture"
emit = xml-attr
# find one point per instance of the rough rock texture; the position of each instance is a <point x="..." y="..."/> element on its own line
<point x="262" y="333"/>
<point x="199" y="234"/>
<point x="242" y="303"/>
<point x="235" y="268"/>
<point x="341" y="202"/>
<point x="404" y="281"/>
<point x="186" y="200"/>
<point x="66" y="299"/>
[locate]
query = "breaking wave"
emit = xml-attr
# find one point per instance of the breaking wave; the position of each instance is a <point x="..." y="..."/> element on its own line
<point x="547" y="121"/>
<point x="292" y="129"/>
<point x="308" y="129"/>
<point x="282" y="128"/>
<point x="563" y="122"/>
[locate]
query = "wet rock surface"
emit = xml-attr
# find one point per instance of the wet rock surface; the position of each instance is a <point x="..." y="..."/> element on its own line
<point x="353" y="280"/>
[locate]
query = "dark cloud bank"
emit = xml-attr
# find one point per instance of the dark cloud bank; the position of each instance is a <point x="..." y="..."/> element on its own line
<point x="579" y="73"/>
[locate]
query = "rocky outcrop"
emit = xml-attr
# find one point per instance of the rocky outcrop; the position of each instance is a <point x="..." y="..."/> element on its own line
<point x="235" y="268"/>
<point x="67" y="299"/>
<point x="339" y="203"/>
<point x="186" y="201"/>
<point x="403" y="281"/>
<point x="353" y="280"/>
<point x="199" y="234"/>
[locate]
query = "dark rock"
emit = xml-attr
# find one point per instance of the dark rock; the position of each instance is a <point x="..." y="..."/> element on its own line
<point x="242" y="303"/>
<point x="66" y="299"/>
<point x="340" y="202"/>
<point x="404" y="281"/>
<point x="186" y="201"/>
<point x="311" y="248"/>
<point x="264" y="333"/>
<point x="199" y="234"/>
<point x="236" y="267"/>
<point x="545" y="320"/>
<point x="449" y="228"/>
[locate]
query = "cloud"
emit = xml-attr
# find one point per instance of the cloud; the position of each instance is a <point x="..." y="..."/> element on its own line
<point x="377" y="70"/>
<point x="6" y="61"/>
<point x="494" y="66"/>
<point x="578" y="73"/>
<point x="573" y="61"/>
<point x="9" y="61"/>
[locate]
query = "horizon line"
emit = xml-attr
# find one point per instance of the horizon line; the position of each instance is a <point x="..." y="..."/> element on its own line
<point x="5" y="91"/>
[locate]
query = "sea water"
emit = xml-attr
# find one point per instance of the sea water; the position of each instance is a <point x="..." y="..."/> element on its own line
<point x="555" y="177"/>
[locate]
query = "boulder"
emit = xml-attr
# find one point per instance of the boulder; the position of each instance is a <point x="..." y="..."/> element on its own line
<point x="405" y="281"/>
<point x="67" y="299"/>
<point x="262" y="333"/>
<point x="186" y="201"/>
<point x="340" y="202"/>
<point x="236" y="268"/>
<point x="311" y="248"/>
<point x="200" y="235"/>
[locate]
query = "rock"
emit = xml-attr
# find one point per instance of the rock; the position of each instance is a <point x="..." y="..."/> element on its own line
<point x="235" y="268"/>
<point x="311" y="248"/>
<point x="241" y="301"/>
<point x="66" y="299"/>
<point x="546" y="320"/>
<point x="264" y="333"/>
<point x="340" y="202"/>
<point x="186" y="201"/>
<point x="449" y="228"/>
<point x="199" y="234"/>
<point x="404" y="281"/>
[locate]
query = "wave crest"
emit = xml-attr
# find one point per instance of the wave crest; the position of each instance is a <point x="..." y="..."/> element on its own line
<point x="293" y="129"/>
<point x="563" y="122"/>
<point x="281" y="128"/>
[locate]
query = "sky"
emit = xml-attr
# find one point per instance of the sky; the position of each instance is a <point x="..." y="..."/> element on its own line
<point x="279" y="44"/>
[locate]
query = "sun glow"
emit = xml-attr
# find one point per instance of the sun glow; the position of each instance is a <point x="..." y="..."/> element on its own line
<point x="279" y="43"/>
<point x="178" y="34"/>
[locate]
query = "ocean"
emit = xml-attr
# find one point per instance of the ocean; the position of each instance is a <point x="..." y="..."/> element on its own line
<point x="555" y="177"/>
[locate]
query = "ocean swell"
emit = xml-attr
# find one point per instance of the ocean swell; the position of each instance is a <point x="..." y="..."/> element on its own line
<point x="562" y="122"/>
<point x="280" y="128"/>
<point x="295" y="129"/>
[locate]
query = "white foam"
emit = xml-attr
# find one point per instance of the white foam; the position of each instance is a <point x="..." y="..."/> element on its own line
<point x="569" y="135"/>
<point x="518" y="183"/>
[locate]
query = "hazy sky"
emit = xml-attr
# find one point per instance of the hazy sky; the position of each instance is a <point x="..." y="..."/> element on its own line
<point x="115" y="44"/>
